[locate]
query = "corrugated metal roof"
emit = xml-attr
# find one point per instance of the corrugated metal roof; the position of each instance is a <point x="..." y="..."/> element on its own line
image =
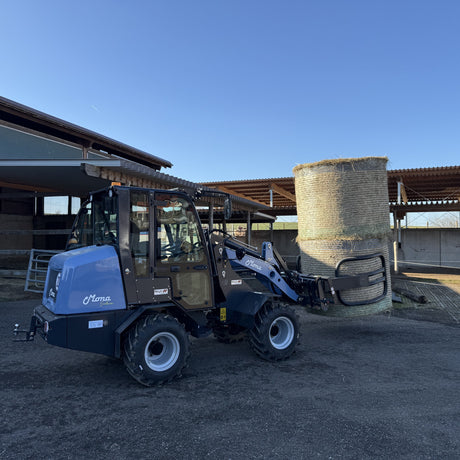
<point x="258" y="190"/>
<point x="425" y="171"/>
<point x="135" y="174"/>
<point x="430" y="189"/>
<point x="426" y="185"/>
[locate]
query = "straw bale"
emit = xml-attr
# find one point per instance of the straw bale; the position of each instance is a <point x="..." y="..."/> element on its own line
<point x="342" y="208"/>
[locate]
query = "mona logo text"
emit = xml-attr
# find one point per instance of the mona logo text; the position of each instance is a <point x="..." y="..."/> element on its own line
<point x="93" y="298"/>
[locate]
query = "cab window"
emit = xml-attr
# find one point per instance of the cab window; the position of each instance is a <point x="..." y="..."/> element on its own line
<point x="139" y="233"/>
<point x="96" y="222"/>
<point x="178" y="234"/>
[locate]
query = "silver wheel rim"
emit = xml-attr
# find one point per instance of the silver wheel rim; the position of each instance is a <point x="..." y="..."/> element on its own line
<point x="162" y="351"/>
<point x="281" y="333"/>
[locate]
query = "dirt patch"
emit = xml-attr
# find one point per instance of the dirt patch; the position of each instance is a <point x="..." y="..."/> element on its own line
<point x="369" y="388"/>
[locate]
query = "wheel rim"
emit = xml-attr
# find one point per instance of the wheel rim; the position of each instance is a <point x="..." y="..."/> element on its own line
<point x="162" y="351"/>
<point x="281" y="333"/>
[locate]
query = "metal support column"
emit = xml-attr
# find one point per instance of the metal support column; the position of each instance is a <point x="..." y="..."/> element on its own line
<point x="211" y="217"/>
<point x="249" y="229"/>
<point x="395" y="242"/>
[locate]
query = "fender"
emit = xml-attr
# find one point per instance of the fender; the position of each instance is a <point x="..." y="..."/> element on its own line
<point x="242" y="307"/>
<point x="194" y="322"/>
<point x="126" y="324"/>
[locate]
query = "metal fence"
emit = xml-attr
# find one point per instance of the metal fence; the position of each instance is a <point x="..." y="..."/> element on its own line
<point x="37" y="269"/>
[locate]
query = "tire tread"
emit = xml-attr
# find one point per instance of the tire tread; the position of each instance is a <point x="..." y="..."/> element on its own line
<point x="132" y="344"/>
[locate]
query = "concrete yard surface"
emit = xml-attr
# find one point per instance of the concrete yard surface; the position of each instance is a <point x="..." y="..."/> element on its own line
<point x="374" y="387"/>
<point x="439" y="286"/>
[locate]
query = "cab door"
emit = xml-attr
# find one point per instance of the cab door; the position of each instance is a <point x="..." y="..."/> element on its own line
<point x="140" y="244"/>
<point x="181" y="252"/>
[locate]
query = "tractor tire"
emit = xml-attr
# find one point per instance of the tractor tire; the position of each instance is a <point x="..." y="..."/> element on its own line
<point x="156" y="349"/>
<point x="275" y="332"/>
<point x="230" y="333"/>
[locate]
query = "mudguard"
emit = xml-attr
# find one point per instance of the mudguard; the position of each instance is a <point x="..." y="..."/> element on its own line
<point x="241" y="307"/>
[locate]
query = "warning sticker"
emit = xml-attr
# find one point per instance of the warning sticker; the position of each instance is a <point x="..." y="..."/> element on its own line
<point x="236" y="282"/>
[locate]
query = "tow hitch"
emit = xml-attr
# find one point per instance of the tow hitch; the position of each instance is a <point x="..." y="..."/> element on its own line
<point x="29" y="334"/>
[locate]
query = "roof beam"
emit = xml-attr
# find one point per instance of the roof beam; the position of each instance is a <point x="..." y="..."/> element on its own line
<point x="281" y="191"/>
<point x="29" y="188"/>
<point x="231" y="192"/>
<point x="402" y="192"/>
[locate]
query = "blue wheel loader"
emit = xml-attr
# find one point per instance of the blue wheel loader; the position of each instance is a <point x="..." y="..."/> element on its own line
<point x="140" y="275"/>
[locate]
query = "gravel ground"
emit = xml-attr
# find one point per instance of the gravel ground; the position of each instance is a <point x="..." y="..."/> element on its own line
<point x="377" y="387"/>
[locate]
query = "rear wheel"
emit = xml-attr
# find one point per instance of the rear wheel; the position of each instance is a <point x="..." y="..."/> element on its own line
<point x="156" y="349"/>
<point x="275" y="333"/>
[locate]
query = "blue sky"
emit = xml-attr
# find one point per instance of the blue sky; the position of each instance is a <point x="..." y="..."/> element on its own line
<point x="234" y="89"/>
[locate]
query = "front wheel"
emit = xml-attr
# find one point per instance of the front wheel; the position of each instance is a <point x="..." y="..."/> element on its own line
<point x="275" y="333"/>
<point x="156" y="349"/>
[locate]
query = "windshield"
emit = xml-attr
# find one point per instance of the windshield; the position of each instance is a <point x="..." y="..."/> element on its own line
<point x="96" y="222"/>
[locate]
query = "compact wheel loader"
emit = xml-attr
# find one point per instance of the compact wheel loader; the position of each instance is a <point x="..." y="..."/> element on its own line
<point x="140" y="275"/>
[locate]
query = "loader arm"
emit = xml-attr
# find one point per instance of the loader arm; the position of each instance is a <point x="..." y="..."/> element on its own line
<point x="265" y="271"/>
<point x="313" y="290"/>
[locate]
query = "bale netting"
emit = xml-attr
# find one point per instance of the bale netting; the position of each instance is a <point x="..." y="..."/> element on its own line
<point x="342" y="208"/>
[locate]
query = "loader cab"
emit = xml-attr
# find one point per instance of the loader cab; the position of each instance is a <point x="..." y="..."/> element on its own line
<point x="161" y="245"/>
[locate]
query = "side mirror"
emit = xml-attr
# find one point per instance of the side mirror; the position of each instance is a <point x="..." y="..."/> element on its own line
<point x="227" y="208"/>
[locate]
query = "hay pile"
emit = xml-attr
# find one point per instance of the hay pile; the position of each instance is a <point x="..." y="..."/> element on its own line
<point x="342" y="207"/>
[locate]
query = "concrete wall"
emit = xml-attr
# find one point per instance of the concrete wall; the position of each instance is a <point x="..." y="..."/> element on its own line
<point x="431" y="246"/>
<point x="284" y="242"/>
<point x="440" y="247"/>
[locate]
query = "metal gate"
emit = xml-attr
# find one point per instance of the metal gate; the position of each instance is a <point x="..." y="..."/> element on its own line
<point x="37" y="269"/>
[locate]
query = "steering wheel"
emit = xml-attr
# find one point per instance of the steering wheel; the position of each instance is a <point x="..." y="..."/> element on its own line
<point x="186" y="247"/>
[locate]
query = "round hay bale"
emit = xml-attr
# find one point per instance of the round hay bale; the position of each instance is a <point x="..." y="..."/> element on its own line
<point x="342" y="208"/>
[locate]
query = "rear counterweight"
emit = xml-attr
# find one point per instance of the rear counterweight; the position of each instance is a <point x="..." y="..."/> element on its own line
<point x="93" y="332"/>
